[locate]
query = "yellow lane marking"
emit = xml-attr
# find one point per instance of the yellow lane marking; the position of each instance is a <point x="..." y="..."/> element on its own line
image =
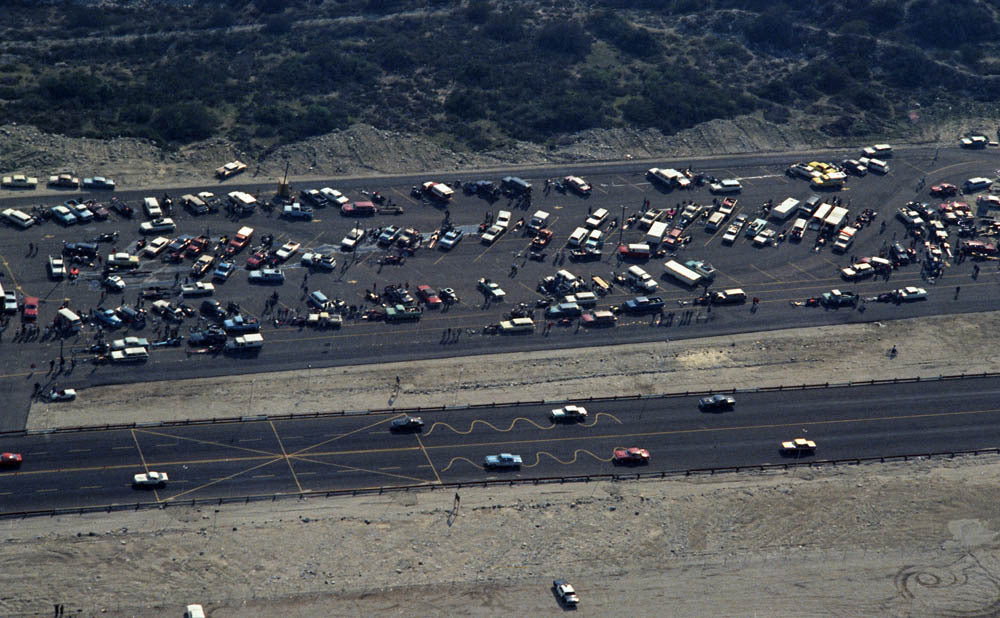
<point x="10" y="273"/>
<point x="454" y="459"/>
<point x="796" y="267"/>
<point x="207" y="442"/>
<point x="429" y="462"/>
<point x="344" y="435"/>
<point x="219" y="480"/>
<point x="346" y="468"/>
<point x="285" y="455"/>
<point x="488" y="424"/>
<point x="768" y="275"/>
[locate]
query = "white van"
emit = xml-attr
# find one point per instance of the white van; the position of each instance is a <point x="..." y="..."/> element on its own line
<point x="152" y="207"/>
<point x="656" y="232"/>
<point x="130" y="355"/>
<point x="19" y="218"/>
<point x="67" y="320"/>
<point x="586" y="300"/>
<point x="597" y="218"/>
<point x="640" y="279"/>
<point x="799" y="228"/>
<point x="878" y="166"/>
<point x="538" y="220"/>
<point x="715" y="220"/>
<point x="578" y="236"/>
<point x="976" y="184"/>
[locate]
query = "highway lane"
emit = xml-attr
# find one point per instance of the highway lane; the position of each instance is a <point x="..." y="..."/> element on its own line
<point x="322" y="454"/>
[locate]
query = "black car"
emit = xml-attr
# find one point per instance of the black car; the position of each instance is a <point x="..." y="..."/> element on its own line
<point x="82" y="249"/>
<point x="208" y="336"/>
<point x="213" y="309"/>
<point x="122" y="208"/>
<point x="409" y="423"/>
<point x="717" y="402"/>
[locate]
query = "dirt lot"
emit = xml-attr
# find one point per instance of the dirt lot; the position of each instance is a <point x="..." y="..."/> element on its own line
<point x="900" y="539"/>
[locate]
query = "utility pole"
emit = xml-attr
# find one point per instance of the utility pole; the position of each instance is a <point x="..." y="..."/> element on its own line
<point x="621" y="227"/>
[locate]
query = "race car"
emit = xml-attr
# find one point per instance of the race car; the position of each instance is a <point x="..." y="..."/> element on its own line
<point x="631" y="456"/>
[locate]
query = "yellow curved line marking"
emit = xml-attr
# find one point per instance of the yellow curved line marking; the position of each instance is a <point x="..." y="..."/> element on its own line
<point x="454" y="459"/>
<point x="599" y="415"/>
<point x="488" y="424"/>
<point x="576" y="453"/>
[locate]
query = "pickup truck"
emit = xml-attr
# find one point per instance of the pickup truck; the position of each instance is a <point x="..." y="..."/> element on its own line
<point x="643" y="304"/>
<point x="402" y="313"/>
<point x="297" y="211"/>
<point x="241" y="324"/>
<point x="502" y="461"/>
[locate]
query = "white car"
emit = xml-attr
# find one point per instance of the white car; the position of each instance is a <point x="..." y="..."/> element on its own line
<point x="503" y="219"/>
<point x="198" y="288"/>
<point x="566" y="593"/>
<point x="857" y="271"/>
<point x="66" y="394"/>
<point x="350" y="242"/>
<point x="911" y="293"/>
<point x="9" y="302"/>
<point x="491" y="289"/>
<point x="57" y="267"/>
<point x="287" y="250"/>
<point x="798" y="446"/>
<point x="729" y="185"/>
<point x="568" y="413"/>
<point x="491" y="235"/>
<point x="575" y="183"/>
<point x="115" y="283"/>
<point x="150" y="479"/>
<point x="156" y="246"/>
<point x="157" y="225"/>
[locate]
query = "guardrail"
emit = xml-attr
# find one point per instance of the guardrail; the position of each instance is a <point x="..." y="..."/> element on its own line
<point x="548" y="480"/>
<point x="474" y="406"/>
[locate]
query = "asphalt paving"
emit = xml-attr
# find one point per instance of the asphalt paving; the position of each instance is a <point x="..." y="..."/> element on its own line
<point x="778" y="275"/>
<point x="265" y="457"/>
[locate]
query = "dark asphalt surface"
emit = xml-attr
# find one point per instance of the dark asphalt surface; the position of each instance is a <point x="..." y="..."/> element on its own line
<point x="775" y="275"/>
<point x="322" y="454"/>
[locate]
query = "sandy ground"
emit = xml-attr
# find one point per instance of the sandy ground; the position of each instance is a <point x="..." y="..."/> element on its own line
<point x="927" y="347"/>
<point x="906" y="539"/>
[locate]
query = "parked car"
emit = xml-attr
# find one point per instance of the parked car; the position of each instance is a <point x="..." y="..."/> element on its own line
<point x="64" y="394"/>
<point x="157" y="226"/>
<point x="267" y="275"/>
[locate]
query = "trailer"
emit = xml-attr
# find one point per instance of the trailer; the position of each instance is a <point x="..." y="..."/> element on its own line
<point x="656" y="231"/>
<point x="682" y="273"/>
<point x="784" y="210"/>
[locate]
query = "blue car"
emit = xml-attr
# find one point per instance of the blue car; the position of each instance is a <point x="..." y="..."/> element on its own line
<point x="108" y="318"/>
<point x="503" y="460"/>
<point x="451" y="238"/>
<point x="223" y="270"/>
<point x="643" y="304"/>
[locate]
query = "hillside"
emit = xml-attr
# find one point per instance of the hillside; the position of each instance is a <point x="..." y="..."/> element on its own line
<point x="483" y="75"/>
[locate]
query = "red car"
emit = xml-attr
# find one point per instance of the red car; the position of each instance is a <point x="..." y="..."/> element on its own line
<point x="29" y="313"/>
<point x="944" y="189"/>
<point x="427" y="294"/>
<point x="257" y="259"/>
<point x="631" y="456"/>
<point x="542" y="238"/>
<point x="196" y="247"/>
<point x="10" y="460"/>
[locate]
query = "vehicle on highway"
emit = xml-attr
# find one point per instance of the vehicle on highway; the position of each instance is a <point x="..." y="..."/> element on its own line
<point x="157" y="226"/>
<point x="10" y="460"/>
<point x="798" y="446"/>
<point x="406" y="424"/>
<point x="566" y="593"/>
<point x="717" y="402"/>
<point x="150" y="479"/>
<point x="911" y="293"/>
<point x="64" y="394"/>
<point x="630" y="456"/>
<point x="568" y="414"/>
<point x="267" y="275"/>
<point x="502" y="461"/>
